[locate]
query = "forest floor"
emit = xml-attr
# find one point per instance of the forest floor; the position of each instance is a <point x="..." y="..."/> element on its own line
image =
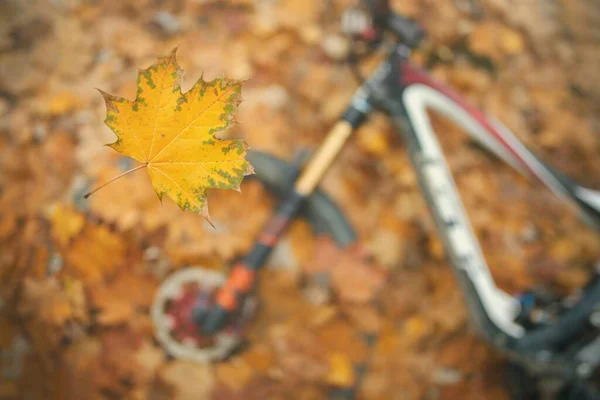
<point x="78" y="276"/>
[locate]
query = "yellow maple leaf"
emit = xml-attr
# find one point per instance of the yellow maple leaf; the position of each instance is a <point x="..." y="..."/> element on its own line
<point x="173" y="133"/>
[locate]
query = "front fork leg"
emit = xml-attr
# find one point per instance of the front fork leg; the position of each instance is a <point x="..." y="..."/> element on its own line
<point x="243" y="276"/>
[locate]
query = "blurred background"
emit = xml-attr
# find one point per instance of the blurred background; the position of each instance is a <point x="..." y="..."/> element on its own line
<point x="77" y="277"/>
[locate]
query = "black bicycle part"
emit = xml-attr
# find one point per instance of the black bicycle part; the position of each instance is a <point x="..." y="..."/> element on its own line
<point x="382" y="19"/>
<point x="407" y="32"/>
<point x="521" y="384"/>
<point x="578" y="390"/>
<point x="323" y="214"/>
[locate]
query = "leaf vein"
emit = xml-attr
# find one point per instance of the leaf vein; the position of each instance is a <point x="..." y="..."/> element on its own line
<point x="158" y="107"/>
<point x="134" y="135"/>
<point x="188" y="125"/>
<point x="192" y="195"/>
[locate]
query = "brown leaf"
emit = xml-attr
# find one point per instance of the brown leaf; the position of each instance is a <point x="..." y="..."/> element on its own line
<point x="113" y="309"/>
<point x="365" y="318"/>
<point x="149" y="358"/>
<point x="340" y="336"/>
<point x="299" y="352"/>
<point x="66" y="224"/>
<point x="496" y="41"/>
<point x="48" y="301"/>
<point x="352" y="278"/>
<point x="235" y="374"/>
<point x="189" y="380"/>
<point x="341" y="372"/>
<point x="260" y="358"/>
<point x="95" y="254"/>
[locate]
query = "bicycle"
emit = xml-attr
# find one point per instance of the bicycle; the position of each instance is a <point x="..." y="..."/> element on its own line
<point x="192" y="324"/>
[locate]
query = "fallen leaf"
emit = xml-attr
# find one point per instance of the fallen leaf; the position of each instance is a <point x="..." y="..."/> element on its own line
<point x="62" y="103"/>
<point x="119" y="348"/>
<point x="365" y="318"/>
<point x="66" y="223"/>
<point x="76" y="295"/>
<point x="353" y="278"/>
<point x="416" y="328"/>
<point x="189" y="380"/>
<point x="114" y="310"/>
<point x="341" y="372"/>
<point x="340" y="336"/>
<point x="136" y="287"/>
<point x="299" y="352"/>
<point x="496" y="41"/>
<point x="259" y="358"/>
<point x="48" y="301"/>
<point x="8" y="331"/>
<point x="81" y="369"/>
<point x="95" y="254"/>
<point x="149" y="357"/>
<point x="512" y="42"/>
<point x="373" y="138"/>
<point x="8" y="225"/>
<point x="324" y="314"/>
<point x="173" y="133"/>
<point x="235" y="374"/>
<point x="47" y="309"/>
<point x="8" y="390"/>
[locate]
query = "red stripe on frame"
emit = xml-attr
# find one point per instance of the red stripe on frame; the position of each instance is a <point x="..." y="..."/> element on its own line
<point x="412" y="74"/>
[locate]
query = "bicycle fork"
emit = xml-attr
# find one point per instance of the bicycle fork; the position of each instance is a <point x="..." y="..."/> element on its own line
<point x="243" y="276"/>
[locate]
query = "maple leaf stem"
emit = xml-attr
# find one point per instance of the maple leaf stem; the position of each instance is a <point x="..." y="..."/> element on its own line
<point x="114" y="179"/>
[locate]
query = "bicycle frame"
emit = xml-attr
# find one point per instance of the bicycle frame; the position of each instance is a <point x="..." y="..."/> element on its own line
<point x="409" y="93"/>
<point x="420" y="93"/>
<point x="405" y="93"/>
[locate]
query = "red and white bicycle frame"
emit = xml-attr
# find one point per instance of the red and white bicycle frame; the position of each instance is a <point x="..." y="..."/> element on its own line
<point x="406" y="93"/>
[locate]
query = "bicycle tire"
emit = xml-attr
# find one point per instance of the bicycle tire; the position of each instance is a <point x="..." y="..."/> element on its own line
<point x="320" y="210"/>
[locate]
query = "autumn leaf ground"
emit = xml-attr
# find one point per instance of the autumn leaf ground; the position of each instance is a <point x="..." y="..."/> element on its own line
<point x="78" y="277"/>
